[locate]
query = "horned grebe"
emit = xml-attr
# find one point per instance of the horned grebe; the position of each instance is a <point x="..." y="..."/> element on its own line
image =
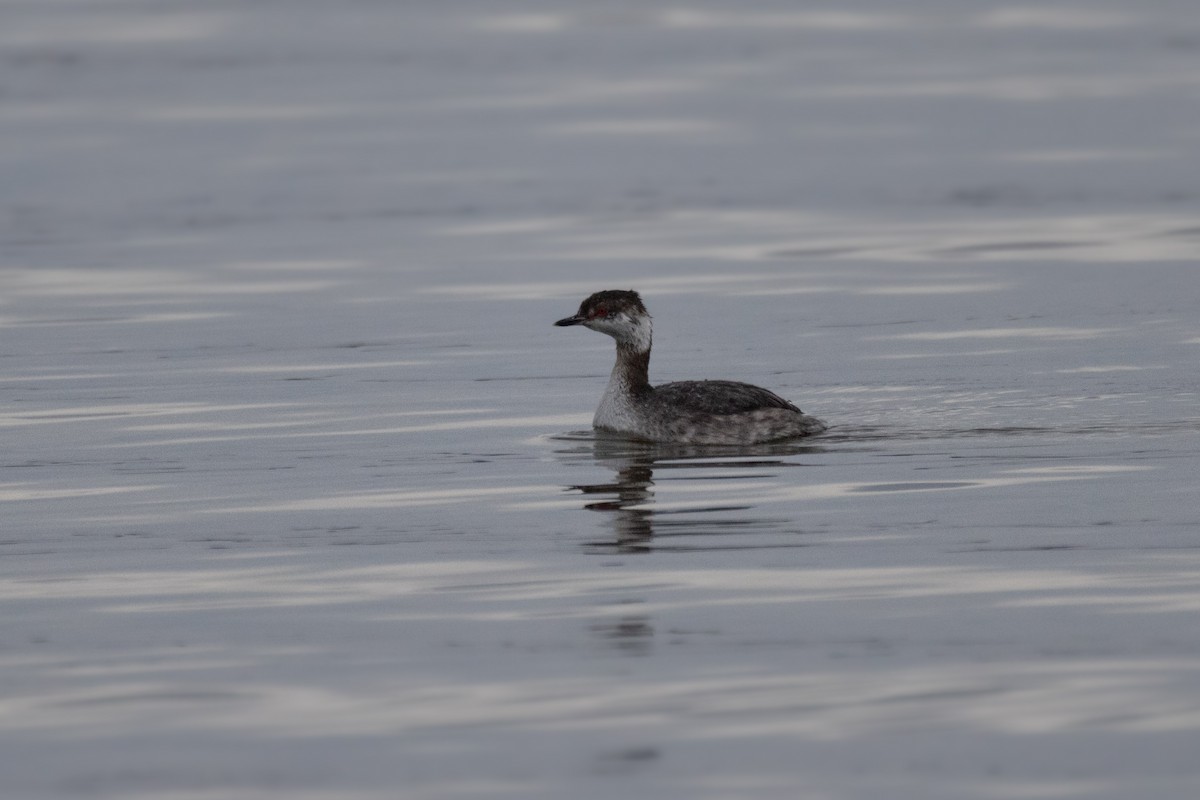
<point x="688" y="412"/>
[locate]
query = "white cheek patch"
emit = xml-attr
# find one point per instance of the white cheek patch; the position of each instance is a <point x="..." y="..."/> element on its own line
<point x="632" y="331"/>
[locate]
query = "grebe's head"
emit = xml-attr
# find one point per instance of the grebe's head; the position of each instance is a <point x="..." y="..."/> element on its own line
<point x="616" y="312"/>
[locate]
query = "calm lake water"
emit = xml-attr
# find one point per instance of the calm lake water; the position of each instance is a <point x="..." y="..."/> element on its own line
<point x="299" y="494"/>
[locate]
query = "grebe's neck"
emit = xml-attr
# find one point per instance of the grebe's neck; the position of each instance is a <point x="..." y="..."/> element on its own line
<point x="631" y="373"/>
<point x="628" y="385"/>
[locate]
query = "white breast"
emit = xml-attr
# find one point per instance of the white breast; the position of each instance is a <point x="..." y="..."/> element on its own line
<point x="616" y="411"/>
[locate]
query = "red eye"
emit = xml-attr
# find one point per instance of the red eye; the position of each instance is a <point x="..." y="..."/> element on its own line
<point x="600" y="311"/>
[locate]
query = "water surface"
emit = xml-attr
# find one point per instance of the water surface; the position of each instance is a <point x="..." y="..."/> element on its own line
<point x="299" y="493"/>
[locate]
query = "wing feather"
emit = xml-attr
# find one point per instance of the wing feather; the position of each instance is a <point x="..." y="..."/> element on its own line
<point x="718" y="397"/>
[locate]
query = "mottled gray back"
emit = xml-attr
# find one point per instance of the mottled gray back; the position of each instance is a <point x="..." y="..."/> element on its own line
<point x="718" y="397"/>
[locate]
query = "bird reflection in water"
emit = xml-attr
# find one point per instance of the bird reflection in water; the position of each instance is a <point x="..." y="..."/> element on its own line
<point x="629" y="499"/>
<point x="631" y="634"/>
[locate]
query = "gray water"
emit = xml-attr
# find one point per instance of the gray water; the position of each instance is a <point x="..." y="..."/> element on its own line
<point x="299" y="495"/>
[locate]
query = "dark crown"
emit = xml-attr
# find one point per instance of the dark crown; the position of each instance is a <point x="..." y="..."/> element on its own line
<point x="612" y="300"/>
